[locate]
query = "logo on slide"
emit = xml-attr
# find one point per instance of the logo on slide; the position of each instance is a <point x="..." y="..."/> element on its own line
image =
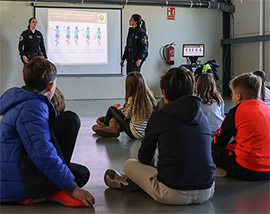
<point x="101" y="18"/>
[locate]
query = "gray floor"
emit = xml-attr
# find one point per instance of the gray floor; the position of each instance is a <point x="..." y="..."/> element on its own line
<point x="99" y="154"/>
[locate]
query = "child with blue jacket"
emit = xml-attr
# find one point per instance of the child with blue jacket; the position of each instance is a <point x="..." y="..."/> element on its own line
<point x="36" y="146"/>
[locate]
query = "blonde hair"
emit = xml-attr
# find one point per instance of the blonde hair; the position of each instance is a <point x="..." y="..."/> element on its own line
<point x="248" y="84"/>
<point x="206" y="88"/>
<point x="143" y="99"/>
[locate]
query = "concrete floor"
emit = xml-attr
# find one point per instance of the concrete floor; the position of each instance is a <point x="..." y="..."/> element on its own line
<point x="99" y="154"/>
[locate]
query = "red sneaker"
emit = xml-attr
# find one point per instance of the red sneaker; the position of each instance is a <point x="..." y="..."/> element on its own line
<point x="25" y="202"/>
<point x="31" y="201"/>
<point x="66" y="199"/>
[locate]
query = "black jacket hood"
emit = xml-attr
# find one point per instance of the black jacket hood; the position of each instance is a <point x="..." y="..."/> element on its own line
<point x="188" y="110"/>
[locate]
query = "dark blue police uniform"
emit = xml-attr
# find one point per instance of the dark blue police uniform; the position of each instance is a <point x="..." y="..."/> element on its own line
<point x="31" y="44"/>
<point x="136" y="48"/>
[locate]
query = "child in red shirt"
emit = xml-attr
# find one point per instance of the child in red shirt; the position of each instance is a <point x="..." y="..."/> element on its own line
<point x="248" y="156"/>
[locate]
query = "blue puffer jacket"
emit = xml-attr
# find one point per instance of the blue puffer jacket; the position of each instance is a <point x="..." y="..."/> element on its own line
<point x="29" y="163"/>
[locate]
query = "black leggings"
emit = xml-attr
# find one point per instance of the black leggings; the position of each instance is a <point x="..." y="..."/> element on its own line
<point x="225" y="159"/>
<point x="115" y="113"/>
<point x="66" y="127"/>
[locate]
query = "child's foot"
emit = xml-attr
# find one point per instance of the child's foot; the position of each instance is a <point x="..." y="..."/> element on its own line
<point x="31" y="201"/>
<point x="66" y="199"/>
<point x="100" y="121"/>
<point x="95" y="127"/>
<point x="25" y="202"/>
<point x="107" y="131"/>
<point x="220" y="173"/>
<point x="115" y="180"/>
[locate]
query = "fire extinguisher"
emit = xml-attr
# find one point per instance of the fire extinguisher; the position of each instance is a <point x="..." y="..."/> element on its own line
<point x="168" y="53"/>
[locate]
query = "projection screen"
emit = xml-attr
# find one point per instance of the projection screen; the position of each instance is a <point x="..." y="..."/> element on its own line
<point x="82" y="41"/>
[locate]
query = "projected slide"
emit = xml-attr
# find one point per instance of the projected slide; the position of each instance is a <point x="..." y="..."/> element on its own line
<point x="82" y="41"/>
<point x="77" y="37"/>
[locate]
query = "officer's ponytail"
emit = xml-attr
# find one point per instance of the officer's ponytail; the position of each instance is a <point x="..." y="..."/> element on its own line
<point x="140" y="22"/>
<point x="143" y="25"/>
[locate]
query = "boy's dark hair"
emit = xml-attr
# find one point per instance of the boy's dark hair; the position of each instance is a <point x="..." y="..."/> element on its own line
<point x="262" y="75"/>
<point x="248" y="84"/>
<point x="39" y="72"/>
<point x="177" y="82"/>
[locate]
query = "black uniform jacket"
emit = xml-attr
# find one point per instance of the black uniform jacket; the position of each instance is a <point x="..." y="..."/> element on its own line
<point x="136" y="45"/>
<point x="32" y="44"/>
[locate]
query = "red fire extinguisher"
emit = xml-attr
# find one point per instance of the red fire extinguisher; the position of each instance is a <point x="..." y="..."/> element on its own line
<point x="168" y="53"/>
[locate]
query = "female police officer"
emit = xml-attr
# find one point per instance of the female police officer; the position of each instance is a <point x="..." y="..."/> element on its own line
<point x="136" y="50"/>
<point x="31" y="42"/>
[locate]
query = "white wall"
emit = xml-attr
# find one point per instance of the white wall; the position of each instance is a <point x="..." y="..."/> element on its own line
<point x="246" y="24"/>
<point x="190" y="26"/>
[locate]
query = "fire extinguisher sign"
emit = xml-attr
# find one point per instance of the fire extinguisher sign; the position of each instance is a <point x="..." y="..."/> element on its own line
<point x="170" y="13"/>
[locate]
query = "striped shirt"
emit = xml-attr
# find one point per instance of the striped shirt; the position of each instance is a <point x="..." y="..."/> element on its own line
<point x="138" y="123"/>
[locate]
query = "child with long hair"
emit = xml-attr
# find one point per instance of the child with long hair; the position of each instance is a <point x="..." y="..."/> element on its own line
<point x="185" y="170"/>
<point x="213" y="104"/>
<point x="132" y="118"/>
<point x="265" y="92"/>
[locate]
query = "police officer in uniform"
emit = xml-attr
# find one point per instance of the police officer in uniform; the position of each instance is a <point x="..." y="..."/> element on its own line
<point x="136" y="50"/>
<point x="31" y="42"/>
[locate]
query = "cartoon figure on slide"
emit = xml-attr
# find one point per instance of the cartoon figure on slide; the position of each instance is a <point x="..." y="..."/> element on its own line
<point x="76" y="34"/>
<point x="68" y="34"/>
<point x="57" y="33"/>
<point x="87" y="35"/>
<point x="98" y="36"/>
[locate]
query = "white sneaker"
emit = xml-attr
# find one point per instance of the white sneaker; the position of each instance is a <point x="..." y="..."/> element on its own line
<point x="115" y="180"/>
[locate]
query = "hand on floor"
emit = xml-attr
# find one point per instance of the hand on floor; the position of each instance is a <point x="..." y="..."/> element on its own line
<point x="83" y="196"/>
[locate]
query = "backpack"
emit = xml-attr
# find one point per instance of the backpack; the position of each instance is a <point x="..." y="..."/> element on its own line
<point x="208" y="67"/>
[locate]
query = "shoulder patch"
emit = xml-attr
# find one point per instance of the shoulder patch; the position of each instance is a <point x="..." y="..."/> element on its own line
<point x="144" y="40"/>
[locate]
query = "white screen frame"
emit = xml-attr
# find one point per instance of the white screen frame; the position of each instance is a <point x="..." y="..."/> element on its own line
<point x="113" y="67"/>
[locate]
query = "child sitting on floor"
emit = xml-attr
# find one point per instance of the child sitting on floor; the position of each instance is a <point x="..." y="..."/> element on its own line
<point x="248" y="156"/>
<point x="36" y="146"/>
<point x="185" y="168"/>
<point x="213" y="104"/>
<point x="265" y="92"/>
<point x="132" y="118"/>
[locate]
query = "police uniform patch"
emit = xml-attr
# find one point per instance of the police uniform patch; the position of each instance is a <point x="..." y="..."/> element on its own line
<point x="30" y="37"/>
<point x="144" y="40"/>
<point x="21" y="38"/>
